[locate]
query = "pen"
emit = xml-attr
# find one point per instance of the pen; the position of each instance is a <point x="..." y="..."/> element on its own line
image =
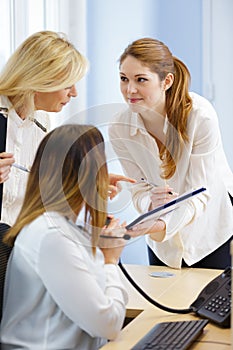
<point x="152" y="184"/>
<point x="149" y="183"/>
<point x="125" y="236"/>
<point x="18" y="166"/>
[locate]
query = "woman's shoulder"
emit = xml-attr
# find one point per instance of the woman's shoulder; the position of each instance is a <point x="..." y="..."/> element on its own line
<point x="48" y="227"/>
<point x="42" y="223"/>
<point x="4" y="102"/>
<point x="199" y="100"/>
<point x="201" y="106"/>
<point x="124" y="114"/>
<point x="119" y="125"/>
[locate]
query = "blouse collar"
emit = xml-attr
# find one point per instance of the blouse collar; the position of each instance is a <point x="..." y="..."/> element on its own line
<point x="137" y="124"/>
<point x="6" y="104"/>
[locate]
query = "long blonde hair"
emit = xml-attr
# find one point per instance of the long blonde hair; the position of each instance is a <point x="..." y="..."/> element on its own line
<point x="157" y="57"/>
<point x="69" y="172"/>
<point x="45" y="62"/>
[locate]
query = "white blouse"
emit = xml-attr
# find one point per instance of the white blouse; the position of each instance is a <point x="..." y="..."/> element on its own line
<point x="202" y="224"/>
<point x="57" y="294"/>
<point x="23" y="138"/>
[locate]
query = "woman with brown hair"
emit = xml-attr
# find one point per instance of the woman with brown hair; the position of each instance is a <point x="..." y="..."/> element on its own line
<point x="63" y="280"/>
<point x="169" y="140"/>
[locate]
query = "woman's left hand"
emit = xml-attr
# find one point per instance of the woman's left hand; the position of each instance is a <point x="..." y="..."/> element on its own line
<point x="156" y="229"/>
<point x="114" y="186"/>
<point x="111" y="241"/>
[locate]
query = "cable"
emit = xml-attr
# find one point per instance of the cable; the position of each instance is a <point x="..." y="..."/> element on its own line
<point x="148" y="298"/>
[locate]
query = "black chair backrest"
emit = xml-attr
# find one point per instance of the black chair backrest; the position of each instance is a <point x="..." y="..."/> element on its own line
<point x="3" y="129"/>
<point x="5" y="251"/>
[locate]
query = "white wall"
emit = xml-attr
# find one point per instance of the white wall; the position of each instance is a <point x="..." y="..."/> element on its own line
<point x="217" y="65"/>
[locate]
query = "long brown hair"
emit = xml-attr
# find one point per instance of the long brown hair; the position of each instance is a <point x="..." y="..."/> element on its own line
<point x="157" y="57"/>
<point x="69" y="172"/>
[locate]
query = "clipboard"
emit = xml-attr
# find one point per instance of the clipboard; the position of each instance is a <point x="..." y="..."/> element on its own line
<point x="164" y="209"/>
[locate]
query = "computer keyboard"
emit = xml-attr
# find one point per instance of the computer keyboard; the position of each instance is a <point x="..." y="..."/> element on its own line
<point x="171" y="335"/>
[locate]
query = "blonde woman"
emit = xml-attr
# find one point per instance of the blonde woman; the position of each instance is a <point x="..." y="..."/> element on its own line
<point x="170" y="138"/>
<point x="63" y="280"/>
<point x="39" y="77"/>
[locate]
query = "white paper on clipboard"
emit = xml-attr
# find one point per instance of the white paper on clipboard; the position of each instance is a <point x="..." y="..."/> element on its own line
<point x="164" y="209"/>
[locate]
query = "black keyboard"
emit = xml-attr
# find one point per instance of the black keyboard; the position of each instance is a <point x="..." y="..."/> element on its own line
<point x="171" y="335"/>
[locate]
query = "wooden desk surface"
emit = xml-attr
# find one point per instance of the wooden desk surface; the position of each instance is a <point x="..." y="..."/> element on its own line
<point x="178" y="292"/>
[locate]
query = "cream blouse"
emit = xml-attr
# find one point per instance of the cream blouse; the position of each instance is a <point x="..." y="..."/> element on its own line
<point x="202" y="224"/>
<point x="23" y="138"/>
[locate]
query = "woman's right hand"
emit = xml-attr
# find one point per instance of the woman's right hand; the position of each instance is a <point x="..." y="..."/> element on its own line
<point x="6" y="160"/>
<point x="161" y="195"/>
<point x="112" y="247"/>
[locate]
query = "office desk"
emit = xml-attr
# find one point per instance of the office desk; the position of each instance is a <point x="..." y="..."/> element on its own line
<point x="178" y="291"/>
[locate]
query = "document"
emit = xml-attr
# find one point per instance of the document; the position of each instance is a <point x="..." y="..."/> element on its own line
<point x="164" y="209"/>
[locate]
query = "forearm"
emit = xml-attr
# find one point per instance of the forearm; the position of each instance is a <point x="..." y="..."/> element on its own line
<point x="156" y="230"/>
<point x="159" y="235"/>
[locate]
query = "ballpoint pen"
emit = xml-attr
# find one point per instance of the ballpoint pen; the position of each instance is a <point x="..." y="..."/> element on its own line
<point x="18" y="166"/>
<point x="125" y="236"/>
<point x="152" y="184"/>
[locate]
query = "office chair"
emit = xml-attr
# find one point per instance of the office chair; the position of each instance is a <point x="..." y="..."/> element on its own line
<point x="5" y="251"/>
